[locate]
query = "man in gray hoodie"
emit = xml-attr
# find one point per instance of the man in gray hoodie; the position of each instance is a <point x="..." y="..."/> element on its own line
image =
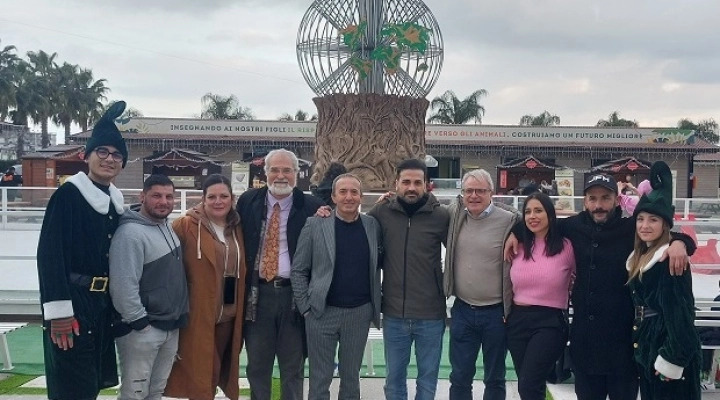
<point x="149" y="290"/>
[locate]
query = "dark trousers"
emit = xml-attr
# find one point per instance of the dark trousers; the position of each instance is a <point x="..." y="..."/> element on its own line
<point x="471" y="328"/>
<point x="602" y="386"/>
<point x="537" y="336"/>
<point x="277" y="331"/>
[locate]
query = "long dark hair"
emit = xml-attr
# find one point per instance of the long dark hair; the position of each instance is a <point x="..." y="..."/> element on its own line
<point x="553" y="240"/>
<point x="232" y="217"/>
<point x="334" y="170"/>
<point x="214" y="179"/>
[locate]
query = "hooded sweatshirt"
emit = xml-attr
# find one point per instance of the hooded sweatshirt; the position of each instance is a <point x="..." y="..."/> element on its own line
<point x="147" y="278"/>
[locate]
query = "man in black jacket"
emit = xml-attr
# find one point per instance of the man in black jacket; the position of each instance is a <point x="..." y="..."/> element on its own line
<point x="601" y="345"/>
<point x="73" y="266"/>
<point x="273" y="327"/>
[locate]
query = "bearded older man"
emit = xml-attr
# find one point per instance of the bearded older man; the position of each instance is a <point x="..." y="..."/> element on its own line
<point x="272" y="218"/>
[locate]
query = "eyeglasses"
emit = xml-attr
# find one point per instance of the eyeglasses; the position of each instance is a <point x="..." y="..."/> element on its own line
<point x="103" y="153"/>
<point x="479" y="192"/>
<point x="284" y="171"/>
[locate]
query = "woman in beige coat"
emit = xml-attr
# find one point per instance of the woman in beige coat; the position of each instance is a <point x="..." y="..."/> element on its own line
<point x="214" y="257"/>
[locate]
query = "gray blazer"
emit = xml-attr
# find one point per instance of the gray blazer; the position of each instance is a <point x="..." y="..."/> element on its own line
<point x="314" y="263"/>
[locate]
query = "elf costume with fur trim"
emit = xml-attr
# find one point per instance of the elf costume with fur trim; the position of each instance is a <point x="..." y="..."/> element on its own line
<point x="664" y="334"/>
<point x="72" y="260"/>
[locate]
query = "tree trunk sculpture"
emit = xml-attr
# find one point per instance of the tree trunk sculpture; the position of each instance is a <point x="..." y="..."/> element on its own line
<point x="370" y="134"/>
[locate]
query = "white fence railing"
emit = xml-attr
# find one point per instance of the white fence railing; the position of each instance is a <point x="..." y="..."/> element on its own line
<point x="23" y="208"/>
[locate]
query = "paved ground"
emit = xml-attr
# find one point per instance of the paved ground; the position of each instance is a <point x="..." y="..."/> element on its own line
<point x="371" y="389"/>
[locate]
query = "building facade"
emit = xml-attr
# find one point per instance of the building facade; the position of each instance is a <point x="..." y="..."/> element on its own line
<point x="11" y="134"/>
<point x="513" y="154"/>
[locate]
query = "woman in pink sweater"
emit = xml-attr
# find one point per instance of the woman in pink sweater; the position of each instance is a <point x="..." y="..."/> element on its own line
<point x="541" y="276"/>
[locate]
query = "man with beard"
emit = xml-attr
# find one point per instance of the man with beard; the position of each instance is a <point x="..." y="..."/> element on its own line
<point x="272" y="218"/>
<point x="149" y="290"/>
<point x="601" y="332"/>
<point x="414" y="228"/>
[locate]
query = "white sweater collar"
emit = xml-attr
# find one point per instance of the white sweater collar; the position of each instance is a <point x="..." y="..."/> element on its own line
<point x="97" y="199"/>
<point x="655" y="258"/>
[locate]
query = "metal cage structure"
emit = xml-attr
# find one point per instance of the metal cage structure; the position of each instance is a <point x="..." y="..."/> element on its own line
<point x="391" y="47"/>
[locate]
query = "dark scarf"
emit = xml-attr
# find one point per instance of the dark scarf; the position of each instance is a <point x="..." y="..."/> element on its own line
<point x="412" y="208"/>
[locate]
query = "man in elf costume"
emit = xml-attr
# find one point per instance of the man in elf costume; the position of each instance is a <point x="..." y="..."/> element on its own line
<point x="72" y="262"/>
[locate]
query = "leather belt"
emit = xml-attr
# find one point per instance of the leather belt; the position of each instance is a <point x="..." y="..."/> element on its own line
<point x="93" y="283"/>
<point x="642" y="312"/>
<point x="277" y="282"/>
<point x="474" y="307"/>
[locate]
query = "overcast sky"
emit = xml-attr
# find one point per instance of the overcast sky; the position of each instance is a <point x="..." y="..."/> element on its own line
<point x="656" y="61"/>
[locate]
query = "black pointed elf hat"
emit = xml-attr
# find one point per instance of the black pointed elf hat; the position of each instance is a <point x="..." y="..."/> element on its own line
<point x="106" y="133"/>
<point x="660" y="200"/>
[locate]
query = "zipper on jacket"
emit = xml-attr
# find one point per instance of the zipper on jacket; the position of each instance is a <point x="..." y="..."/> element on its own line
<point x="227" y="256"/>
<point x="407" y="234"/>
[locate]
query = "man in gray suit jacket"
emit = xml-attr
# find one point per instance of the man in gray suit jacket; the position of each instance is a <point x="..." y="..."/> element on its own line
<point x="336" y="283"/>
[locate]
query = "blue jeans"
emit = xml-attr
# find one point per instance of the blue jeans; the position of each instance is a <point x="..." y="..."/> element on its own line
<point x="399" y="335"/>
<point x="470" y="328"/>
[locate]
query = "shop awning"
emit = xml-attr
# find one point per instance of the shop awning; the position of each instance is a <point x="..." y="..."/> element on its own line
<point x="631" y="164"/>
<point x="258" y="159"/>
<point x="181" y="158"/>
<point x="59" y="152"/>
<point x="529" y="162"/>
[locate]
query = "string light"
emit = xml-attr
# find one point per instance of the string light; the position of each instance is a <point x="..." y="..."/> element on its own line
<point x="187" y="158"/>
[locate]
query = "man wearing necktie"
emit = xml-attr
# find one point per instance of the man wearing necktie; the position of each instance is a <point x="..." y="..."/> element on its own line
<point x="272" y="218"/>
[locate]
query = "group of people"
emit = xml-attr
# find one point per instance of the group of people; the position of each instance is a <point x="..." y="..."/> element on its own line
<point x="290" y="279"/>
<point x="177" y="300"/>
<point x="631" y="295"/>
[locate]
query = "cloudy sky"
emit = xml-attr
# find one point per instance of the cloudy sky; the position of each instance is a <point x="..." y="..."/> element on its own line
<point x="655" y="61"/>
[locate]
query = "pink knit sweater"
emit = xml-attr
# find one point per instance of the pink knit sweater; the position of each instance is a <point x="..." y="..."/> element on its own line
<point x="542" y="280"/>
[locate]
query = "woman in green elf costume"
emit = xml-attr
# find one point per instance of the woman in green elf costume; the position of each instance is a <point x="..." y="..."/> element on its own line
<point x="667" y="349"/>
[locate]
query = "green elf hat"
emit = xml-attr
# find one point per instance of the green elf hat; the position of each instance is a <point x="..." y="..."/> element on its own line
<point x="660" y="201"/>
<point x="106" y="133"/>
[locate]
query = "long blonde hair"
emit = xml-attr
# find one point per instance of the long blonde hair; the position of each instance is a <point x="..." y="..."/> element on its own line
<point x="643" y="253"/>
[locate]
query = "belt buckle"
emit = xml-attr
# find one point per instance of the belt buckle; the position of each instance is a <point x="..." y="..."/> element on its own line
<point x="640" y="312"/>
<point x="99" y="284"/>
<point x="277" y="283"/>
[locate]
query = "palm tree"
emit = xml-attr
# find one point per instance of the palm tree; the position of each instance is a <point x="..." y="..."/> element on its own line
<point x="67" y="105"/>
<point x="615" y="120"/>
<point x="130" y="112"/>
<point x="452" y="110"/>
<point x="706" y="129"/>
<point x="300" y="115"/>
<point x="92" y="94"/>
<point x="25" y="94"/>
<point x="544" y="119"/>
<point x="8" y="72"/>
<point x="215" y="106"/>
<point x="43" y="68"/>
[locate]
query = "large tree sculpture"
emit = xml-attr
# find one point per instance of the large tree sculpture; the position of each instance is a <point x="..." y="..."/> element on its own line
<point x="371" y="62"/>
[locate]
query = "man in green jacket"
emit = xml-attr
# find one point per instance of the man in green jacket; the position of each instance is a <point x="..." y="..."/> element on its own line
<point x="414" y="228"/>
